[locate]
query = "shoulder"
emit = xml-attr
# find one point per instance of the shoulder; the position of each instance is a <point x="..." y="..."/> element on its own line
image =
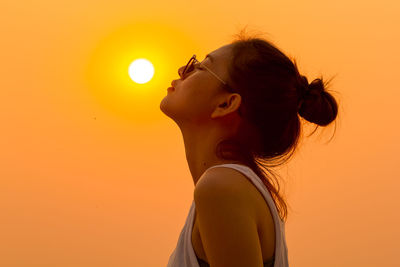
<point x="226" y="218"/>
<point x="221" y="178"/>
<point x="226" y="185"/>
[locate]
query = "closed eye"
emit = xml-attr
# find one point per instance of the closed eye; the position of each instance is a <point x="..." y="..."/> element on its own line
<point x="197" y="65"/>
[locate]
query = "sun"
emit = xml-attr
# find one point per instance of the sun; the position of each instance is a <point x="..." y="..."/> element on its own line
<point x="141" y="70"/>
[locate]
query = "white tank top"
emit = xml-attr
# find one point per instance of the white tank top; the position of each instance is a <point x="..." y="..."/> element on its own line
<point x="184" y="255"/>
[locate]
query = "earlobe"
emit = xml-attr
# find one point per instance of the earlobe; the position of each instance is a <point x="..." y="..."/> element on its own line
<point x="216" y="113"/>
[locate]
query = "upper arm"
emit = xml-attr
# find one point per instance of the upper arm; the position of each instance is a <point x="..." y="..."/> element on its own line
<point x="225" y="220"/>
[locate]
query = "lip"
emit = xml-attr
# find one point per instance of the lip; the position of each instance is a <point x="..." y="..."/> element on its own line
<point x="170" y="89"/>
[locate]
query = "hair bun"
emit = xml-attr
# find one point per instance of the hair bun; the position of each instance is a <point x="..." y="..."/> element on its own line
<point x="316" y="87"/>
<point x="316" y="104"/>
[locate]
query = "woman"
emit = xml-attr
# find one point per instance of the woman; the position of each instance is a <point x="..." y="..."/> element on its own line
<point x="239" y="106"/>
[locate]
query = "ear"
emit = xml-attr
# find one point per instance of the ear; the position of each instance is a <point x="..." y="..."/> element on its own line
<point x="226" y="105"/>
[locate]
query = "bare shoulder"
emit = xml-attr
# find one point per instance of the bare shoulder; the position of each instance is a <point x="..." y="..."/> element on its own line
<point x="228" y="183"/>
<point x="223" y="177"/>
<point x="226" y="218"/>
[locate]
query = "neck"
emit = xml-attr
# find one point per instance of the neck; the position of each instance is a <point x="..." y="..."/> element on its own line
<point x="200" y="145"/>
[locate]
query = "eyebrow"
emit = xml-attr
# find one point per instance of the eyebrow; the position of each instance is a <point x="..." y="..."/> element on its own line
<point x="211" y="58"/>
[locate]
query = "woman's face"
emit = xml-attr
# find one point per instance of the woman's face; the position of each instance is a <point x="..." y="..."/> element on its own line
<point x="194" y="98"/>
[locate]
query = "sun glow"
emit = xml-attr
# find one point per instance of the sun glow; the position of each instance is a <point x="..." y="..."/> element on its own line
<point x="141" y="70"/>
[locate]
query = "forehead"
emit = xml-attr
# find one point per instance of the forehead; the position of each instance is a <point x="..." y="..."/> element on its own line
<point x="221" y="55"/>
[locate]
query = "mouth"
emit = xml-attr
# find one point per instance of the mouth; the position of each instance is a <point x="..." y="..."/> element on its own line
<point x="170" y="89"/>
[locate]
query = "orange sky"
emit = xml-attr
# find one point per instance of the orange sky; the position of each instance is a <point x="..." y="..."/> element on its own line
<point x="92" y="173"/>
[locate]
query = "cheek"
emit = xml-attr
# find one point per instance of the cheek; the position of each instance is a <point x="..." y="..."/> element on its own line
<point x="195" y="102"/>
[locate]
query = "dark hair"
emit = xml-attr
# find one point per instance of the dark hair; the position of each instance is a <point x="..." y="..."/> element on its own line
<point x="273" y="94"/>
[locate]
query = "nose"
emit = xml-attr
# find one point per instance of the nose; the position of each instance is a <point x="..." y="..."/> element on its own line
<point x="180" y="70"/>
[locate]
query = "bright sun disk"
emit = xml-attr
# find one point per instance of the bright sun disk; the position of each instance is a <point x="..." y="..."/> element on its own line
<point x="141" y="70"/>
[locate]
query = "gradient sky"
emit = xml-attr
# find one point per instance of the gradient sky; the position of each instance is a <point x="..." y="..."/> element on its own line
<point x="92" y="173"/>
